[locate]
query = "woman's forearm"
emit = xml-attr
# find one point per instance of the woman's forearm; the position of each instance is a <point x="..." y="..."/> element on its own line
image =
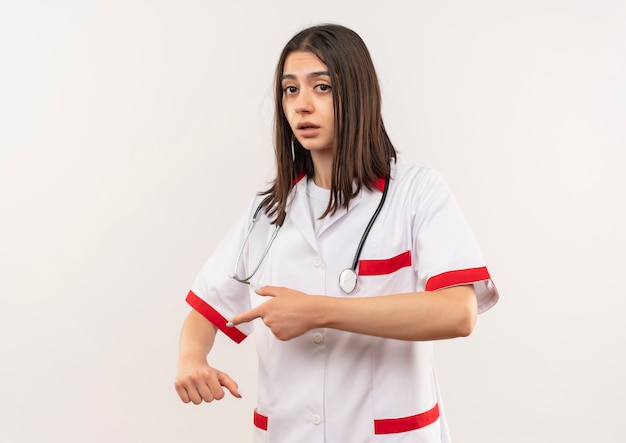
<point x="442" y="314"/>
<point x="196" y="337"/>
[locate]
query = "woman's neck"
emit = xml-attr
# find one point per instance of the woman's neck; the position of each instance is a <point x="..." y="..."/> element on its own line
<point x="322" y="169"/>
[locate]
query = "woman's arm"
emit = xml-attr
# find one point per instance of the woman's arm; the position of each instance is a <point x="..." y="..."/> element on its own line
<point x="447" y="313"/>
<point x="433" y="315"/>
<point x="196" y="381"/>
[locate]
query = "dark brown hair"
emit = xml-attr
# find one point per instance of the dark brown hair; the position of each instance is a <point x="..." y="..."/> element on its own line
<point x="363" y="150"/>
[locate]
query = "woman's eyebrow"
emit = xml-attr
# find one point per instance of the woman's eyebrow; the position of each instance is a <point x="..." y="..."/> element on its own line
<point x="312" y="74"/>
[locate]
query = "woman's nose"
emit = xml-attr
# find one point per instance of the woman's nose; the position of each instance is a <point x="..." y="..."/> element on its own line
<point x="304" y="102"/>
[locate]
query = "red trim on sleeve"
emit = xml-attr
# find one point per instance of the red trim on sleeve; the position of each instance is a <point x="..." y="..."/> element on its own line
<point x="385" y="266"/>
<point x="260" y="421"/>
<point x="406" y="424"/>
<point x="459" y="277"/>
<point x="214" y="317"/>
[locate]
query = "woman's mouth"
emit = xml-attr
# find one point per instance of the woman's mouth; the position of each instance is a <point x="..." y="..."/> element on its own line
<point x="307" y="129"/>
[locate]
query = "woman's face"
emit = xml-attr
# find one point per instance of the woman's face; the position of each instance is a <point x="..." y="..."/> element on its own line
<point x="308" y="102"/>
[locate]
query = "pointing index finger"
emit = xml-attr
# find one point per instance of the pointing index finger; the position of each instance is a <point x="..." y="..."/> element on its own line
<point x="244" y="317"/>
<point x="267" y="291"/>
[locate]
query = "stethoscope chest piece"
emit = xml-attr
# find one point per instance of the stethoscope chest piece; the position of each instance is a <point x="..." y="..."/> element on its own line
<point x="347" y="280"/>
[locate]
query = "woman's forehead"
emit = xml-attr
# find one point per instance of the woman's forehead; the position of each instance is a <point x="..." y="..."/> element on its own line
<point x="299" y="62"/>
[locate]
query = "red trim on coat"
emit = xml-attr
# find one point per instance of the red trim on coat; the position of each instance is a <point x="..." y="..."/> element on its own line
<point x="260" y="421"/>
<point x="458" y="277"/>
<point x="299" y="177"/>
<point x="406" y="424"/>
<point x="214" y="317"/>
<point x="385" y="266"/>
<point x="380" y="183"/>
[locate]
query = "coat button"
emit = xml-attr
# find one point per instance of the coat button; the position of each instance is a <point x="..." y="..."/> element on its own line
<point x="318" y="338"/>
<point x="316" y="419"/>
<point x="318" y="262"/>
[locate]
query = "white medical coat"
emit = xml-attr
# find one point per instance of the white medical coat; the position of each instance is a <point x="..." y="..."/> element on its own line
<point x="330" y="386"/>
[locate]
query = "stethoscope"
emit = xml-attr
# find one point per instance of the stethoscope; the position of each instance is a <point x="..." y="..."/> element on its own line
<point x="347" y="278"/>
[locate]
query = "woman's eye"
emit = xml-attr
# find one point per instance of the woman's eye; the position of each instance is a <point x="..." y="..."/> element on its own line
<point x="290" y="89"/>
<point x="324" y="87"/>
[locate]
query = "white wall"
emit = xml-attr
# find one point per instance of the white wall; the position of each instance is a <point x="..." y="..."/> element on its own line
<point x="133" y="132"/>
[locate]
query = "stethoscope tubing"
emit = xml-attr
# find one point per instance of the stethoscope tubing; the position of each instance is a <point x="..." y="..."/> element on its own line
<point x="348" y="277"/>
<point x="279" y="224"/>
<point x="369" y="226"/>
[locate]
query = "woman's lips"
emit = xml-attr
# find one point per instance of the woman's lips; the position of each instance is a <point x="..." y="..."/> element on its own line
<point x="308" y="130"/>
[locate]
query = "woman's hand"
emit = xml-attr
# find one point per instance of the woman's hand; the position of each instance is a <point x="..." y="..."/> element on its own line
<point x="196" y="382"/>
<point x="287" y="312"/>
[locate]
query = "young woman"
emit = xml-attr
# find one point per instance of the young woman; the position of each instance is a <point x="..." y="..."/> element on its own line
<point x="354" y="264"/>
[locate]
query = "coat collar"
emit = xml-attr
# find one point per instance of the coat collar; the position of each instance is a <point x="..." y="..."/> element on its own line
<point x="298" y="209"/>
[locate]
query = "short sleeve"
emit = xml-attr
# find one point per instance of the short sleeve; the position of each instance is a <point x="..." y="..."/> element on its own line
<point x="446" y="249"/>
<point x="214" y="293"/>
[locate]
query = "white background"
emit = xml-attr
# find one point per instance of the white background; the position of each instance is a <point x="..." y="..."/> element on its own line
<point x="133" y="132"/>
